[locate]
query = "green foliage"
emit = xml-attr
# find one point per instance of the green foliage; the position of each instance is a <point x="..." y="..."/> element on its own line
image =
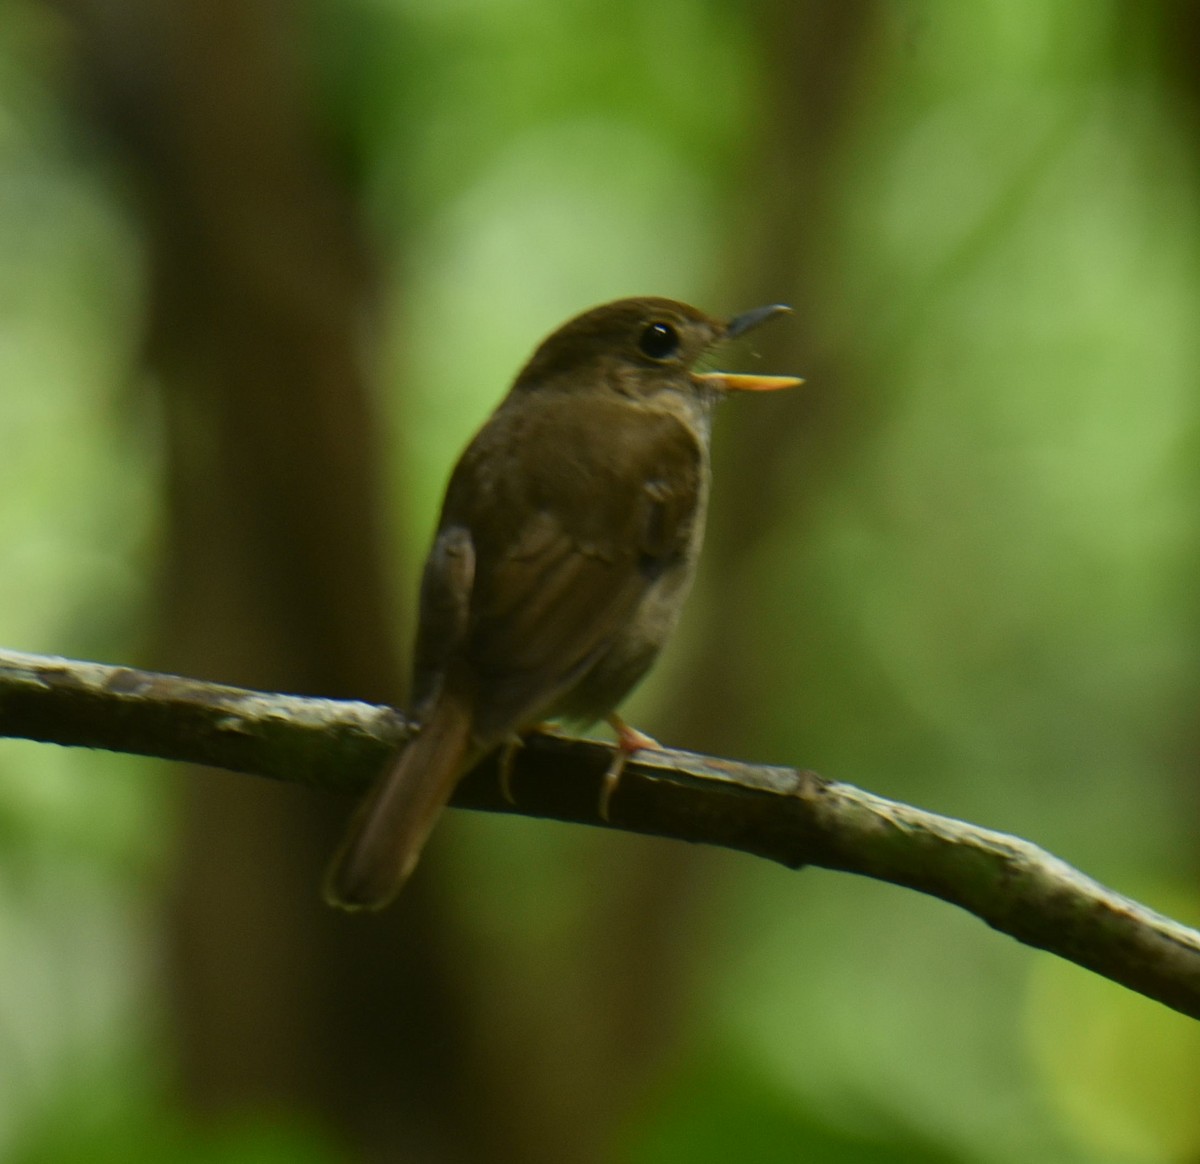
<point x="720" y="1108"/>
<point x="150" y="1134"/>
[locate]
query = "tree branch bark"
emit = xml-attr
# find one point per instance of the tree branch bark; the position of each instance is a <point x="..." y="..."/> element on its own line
<point x="783" y="814"/>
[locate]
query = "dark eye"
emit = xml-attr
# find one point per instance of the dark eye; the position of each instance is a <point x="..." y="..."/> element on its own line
<point x="660" y="341"/>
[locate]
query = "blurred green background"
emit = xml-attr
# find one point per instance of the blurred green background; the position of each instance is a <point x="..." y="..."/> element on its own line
<point x="265" y="267"/>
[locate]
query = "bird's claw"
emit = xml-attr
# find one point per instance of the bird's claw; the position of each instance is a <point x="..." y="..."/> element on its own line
<point x="629" y="740"/>
<point x="508" y="758"/>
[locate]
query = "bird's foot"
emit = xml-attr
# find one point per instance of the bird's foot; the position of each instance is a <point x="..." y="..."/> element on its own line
<point x="629" y="740"/>
<point x="508" y="756"/>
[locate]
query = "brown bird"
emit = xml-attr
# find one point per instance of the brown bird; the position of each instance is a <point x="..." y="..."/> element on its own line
<point x="567" y="543"/>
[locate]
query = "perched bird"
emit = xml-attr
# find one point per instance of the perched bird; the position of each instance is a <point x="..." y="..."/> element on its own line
<point x="567" y="543"/>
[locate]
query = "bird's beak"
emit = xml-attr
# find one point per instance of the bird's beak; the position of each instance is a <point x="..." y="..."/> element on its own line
<point x="737" y="326"/>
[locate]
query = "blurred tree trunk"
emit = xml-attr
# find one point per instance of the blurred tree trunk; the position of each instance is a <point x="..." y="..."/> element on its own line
<point x="261" y="296"/>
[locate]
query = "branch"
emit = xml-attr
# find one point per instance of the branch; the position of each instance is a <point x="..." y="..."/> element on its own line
<point x="790" y="816"/>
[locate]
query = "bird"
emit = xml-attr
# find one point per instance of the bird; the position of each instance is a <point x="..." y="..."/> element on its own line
<point x="567" y="543"/>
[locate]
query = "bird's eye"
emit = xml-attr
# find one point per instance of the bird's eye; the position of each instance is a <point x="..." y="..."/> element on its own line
<point x="660" y="341"/>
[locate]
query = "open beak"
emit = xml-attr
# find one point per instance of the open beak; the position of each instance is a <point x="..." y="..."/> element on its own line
<point x="736" y="382"/>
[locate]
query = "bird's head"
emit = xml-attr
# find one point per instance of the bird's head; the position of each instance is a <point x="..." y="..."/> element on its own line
<point x="641" y="348"/>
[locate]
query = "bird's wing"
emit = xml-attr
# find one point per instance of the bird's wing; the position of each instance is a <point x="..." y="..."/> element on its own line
<point x="573" y="509"/>
<point x="445" y="609"/>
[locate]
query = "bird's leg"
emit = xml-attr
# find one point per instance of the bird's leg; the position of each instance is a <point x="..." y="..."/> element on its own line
<point x="629" y="740"/>
<point x="508" y="756"/>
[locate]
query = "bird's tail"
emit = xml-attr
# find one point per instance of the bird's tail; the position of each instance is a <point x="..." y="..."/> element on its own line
<point x="390" y="827"/>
